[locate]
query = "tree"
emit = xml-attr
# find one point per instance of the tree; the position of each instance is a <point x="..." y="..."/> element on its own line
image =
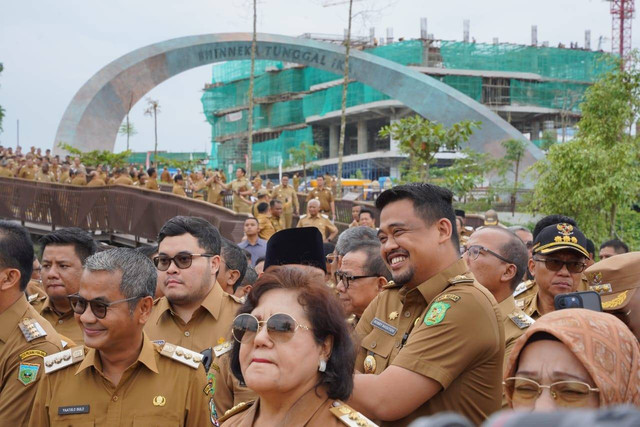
<point x="515" y="150"/>
<point x="127" y="128"/>
<point x="303" y="154"/>
<point x="250" y="95"/>
<point x="465" y="173"/>
<point x="421" y="139"/>
<point x="596" y="175"/>
<point x="549" y="137"/>
<point x="98" y="157"/>
<point x="153" y="108"/>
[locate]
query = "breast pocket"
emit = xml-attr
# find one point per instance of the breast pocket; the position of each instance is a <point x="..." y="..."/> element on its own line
<point x="156" y="421"/>
<point x="378" y="345"/>
<point x="72" y="421"/>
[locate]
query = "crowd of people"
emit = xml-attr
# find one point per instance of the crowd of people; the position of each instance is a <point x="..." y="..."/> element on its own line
<point x="416" y="316"/>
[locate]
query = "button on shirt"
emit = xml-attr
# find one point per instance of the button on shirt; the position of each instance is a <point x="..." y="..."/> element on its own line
<point x="259" y="250"/>
<point x="154" y="391"/>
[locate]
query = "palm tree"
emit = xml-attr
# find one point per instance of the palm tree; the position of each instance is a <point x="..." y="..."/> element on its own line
<point x="153" y="108"/>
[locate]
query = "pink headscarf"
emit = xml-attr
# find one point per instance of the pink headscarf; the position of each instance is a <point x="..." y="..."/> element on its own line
<point x="606" y="347"/>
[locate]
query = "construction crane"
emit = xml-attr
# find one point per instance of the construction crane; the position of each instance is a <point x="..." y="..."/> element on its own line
<point x="622" y="12"/>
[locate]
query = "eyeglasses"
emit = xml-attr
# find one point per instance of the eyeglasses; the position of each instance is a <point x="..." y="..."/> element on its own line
<point x="99" y="308"/>
<point x="524" y="391"/>
<point x="474" y="252"/>
<point x="554" y="264"/>
<point x="331" y="258"/>
<point x="280" y="327"/>
<point x="348" y="279"/>
<point x="182" y="260"/>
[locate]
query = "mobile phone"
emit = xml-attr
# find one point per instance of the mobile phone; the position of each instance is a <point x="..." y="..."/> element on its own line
<point x="586" y="299"/>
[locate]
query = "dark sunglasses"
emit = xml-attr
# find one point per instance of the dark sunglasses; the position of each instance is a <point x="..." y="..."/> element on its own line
<point x="554" y="264"/>
<point x="98" y="308"/>
<point x="280" y="327"/>
<point x="182" y="260"/>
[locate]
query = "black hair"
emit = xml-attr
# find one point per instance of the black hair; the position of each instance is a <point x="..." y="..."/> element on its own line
<point x="284" y="175"/>
<point x="244" y="171"/>
<point x="151" y="171"/>
<point x="148" y="250"/>
<point x="247" y="255"/>
<point x="328" y="248"/>
<point x="366" y="211"/>
<point x="551" y="220"/>
<point x="259" y="260"/>
<point x="374" y="264"/>
<point x="429" y="201"/>
<point x="16" y="250"/>
<point x="326" y="318"/>
<point x="618" y="245"/>
<point x="591" y="248"/>
<point x="208" y="236"/>
<point x="250" y="279"/>
<point x="82" y="241"/>
<point x="177" y="178"/>
<point x="262" y="207"/>
<point x="273" y="202"/>
<point x="255" y="219"/>
<point x="234" y="259"/>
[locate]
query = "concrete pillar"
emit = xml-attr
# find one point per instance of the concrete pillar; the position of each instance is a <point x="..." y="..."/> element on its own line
<point x="334" y="140"/>
<point x="362" y="137"/>
<point x="535" y="130"/>
<point x="393" y="143"/>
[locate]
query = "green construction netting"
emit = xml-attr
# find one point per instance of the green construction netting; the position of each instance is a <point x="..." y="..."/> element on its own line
<point x="571" y="64"/>
<point x="324" y="101"/>
<point x="407" y="52"/>
<point x="560" y="95"/>
<point x="469" y="85"/>
<point x="226" y="72"/>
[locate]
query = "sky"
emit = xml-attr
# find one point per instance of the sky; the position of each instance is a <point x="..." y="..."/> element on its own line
<point x="50" y="49"/>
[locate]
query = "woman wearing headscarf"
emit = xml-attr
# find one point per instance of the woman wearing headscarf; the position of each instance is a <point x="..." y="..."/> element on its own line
<point x="574" y="358"/>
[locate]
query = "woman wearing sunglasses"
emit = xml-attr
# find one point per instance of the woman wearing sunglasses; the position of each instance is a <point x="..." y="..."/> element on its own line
<point x="294" y="350"/>
<point x="574" y="358"/>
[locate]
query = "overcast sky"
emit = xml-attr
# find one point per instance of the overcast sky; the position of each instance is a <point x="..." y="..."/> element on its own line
<point x="51" y="48"/>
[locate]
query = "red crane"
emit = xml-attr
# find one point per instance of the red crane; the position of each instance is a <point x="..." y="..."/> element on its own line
<point x="622" y="12"/>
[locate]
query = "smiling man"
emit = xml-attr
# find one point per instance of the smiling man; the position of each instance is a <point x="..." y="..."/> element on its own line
<point x="63" y="253"/>
<point x="433" y="341"/>
<point x="559" y="258"/>
<point x="120" y="378"/>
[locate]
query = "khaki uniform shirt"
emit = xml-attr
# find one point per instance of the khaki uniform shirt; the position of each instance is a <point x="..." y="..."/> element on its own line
<point x="151" y="184"/>
<point x="310" y="410"/>
<point x="266" y="227"/>
<point x="449" y="329"/>
<point x="198" y="189"/>
<point x="64" y="177"/>
<point x="64" y="324"/>
<point x="165" y="177"/>
<point x="5" y="172"/>
<point x="278" y="223"/>
<point x="210" y="324"/>
<point x="179" y="190"/>
<point x="320" y="222"/>
<point x="228" y="392"/>
<point x="154" y="391"/>
<point x="96" y="182"/>
<point x="530" y="306"/>
<point x="123" y="180"/>
<point x="236" y="186"/>
<point x="36" y="296"/>
<point x="45" y="177"/>
<point x="324" y="196"/>
<point x="28" y="173"/>
<point x="21" y="364"/>
<point x="214" y="193"/>
<point x="288" y="196"/>
<point x="79" y="180"/>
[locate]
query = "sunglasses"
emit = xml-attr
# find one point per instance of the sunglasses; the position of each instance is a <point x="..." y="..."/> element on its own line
<point x="182" y="260"/>
<point x="474" y="252"/>
<point x="98" y="308"/>
<point x="553" y="264"/>
<point x="347" y="279"/>
<point x="524" y="392"/>
<point x="280" y="327"/>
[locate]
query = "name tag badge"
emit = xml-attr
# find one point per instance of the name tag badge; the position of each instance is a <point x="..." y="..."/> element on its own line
<point x="71" y="410"/>
<point x="383" y="326"/>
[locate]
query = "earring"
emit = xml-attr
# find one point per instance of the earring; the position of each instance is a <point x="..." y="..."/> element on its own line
<point x="322" y="366"/>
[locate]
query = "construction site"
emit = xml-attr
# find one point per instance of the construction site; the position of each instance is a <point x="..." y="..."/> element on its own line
<point x="535" y="87"/>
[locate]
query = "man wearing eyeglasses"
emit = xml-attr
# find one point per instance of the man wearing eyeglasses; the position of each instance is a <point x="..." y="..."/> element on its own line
<point x="121" y="375"/>
<point x="559" y="258"/>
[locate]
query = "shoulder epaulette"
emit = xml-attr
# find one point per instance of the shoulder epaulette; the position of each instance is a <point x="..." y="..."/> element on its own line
<point x="324" y="216"/>
<point x="521" y="319"/>
<point x="350" y="416"/>
<point x="31" y="329"/>
<point x="57" y="361"/>
<point x="242" y="406"/>
<point x="523" y="287"/>
<point x="223" y="348"/>
<point x="520" y="303"/>
<point x="180" y="354"/>
<point x="236" y="299"/>
<point x="461" y="279"/>
<point x="391" y="284"/>
<point x="303" y="216"/>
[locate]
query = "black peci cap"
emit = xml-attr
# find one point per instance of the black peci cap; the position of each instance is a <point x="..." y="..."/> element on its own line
<point x="296" y="246"/>
<point x="561" y="236"/>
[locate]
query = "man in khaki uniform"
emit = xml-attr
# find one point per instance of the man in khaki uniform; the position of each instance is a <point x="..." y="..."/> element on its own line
<point x="324" y="195"/>
<point x="28" y="171"/>
<point x="121" y="377"/>
<point x="44" y="175"/>
<point x="241" y="190"/>
<point x="5" y="170"/>
<point x="166" y="176"/>
<point x="315" y="219"/>
<point x="123" y="178"/>
<point x="214" y="190"/>
<point x="96" y="180"/>
<point x="264" y="222"/>
<point x="276" y="215"/>
<point x="262" y="196"/>
<point x="617" y="280"/>
<point x="63" y="253"/>
<point x="289" y="198"/>
<point x="498" y="260"/>
<point x="198" y="186"/>
<point x="559" y="258"/>
<point x="25" y="337"/>
<point x="178" y="186"/>
<point x="63" y="178"/>
<point x="79" y="179"/>
<point x="152" y="182"/>
<point x="433" y="340"/>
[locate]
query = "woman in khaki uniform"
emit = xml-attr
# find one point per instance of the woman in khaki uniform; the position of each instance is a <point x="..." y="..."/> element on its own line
<point x="301" y="362"/>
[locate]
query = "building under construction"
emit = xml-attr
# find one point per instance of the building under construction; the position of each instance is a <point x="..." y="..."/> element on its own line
<point x="535" y="88"/>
